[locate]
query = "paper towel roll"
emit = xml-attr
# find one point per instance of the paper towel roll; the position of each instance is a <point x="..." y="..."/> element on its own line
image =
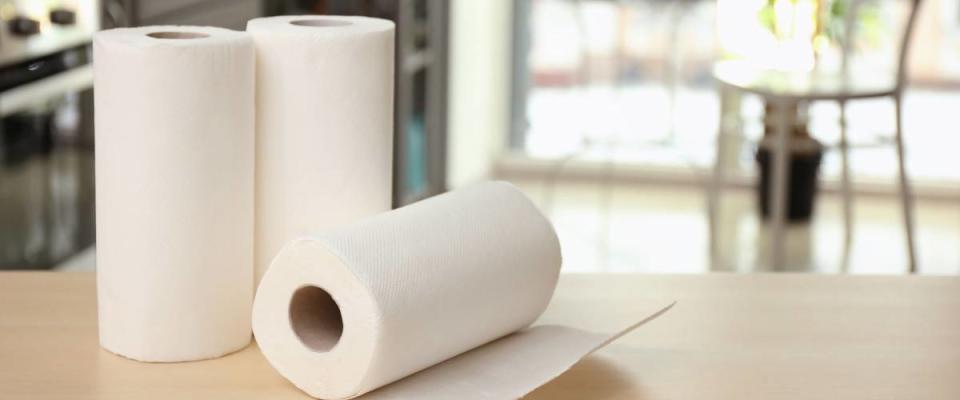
<point x="393" y="294"/>
<point x="174" y="183"/>
<point x="324" y="125"/>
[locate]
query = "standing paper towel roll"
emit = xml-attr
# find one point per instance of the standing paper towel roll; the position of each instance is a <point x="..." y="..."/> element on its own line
<point x="362" y="306"/>
<point x="324" y="125"/>
<point x="174" y="182"/>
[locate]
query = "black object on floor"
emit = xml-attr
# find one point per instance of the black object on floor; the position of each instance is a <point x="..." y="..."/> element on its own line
<point x="805" y="157"/>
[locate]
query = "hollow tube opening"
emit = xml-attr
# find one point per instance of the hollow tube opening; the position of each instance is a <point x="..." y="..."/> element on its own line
<point x="315" y="318"/>
<point x="177" y="35"/>
<point x="319" y="22"/>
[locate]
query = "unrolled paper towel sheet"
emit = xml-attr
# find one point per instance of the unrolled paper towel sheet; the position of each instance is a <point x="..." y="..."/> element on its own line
<point x="324" y="125"/>
<point x="174" y="182"/>
<point x="349" y="311"/>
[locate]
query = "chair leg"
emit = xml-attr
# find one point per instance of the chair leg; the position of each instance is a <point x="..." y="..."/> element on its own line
<point x="606" y="200"/>
<point x="846" y="189"/>
<point x="778" y="199"/>
<point x="713" y="195"/>
<point x="906" y="194"/>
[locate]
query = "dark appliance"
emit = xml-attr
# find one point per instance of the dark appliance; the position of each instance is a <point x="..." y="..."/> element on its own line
<point x="46" y="131"/>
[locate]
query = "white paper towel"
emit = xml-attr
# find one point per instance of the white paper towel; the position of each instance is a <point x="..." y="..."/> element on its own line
<point x="508" y="368"/>
<point x="324" y="125"/>
<point x="174" y="182"/>
<point x="364" y="305"/>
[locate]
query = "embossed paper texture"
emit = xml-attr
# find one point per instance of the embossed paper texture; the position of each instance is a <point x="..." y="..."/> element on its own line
<point x="432" y="300"/>
<point x="324" y="125"/>
<point x="174" y="185"/>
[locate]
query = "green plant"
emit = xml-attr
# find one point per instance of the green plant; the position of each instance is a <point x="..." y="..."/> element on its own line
<point x="868" y="21"/>
<point x="832" y="24"/>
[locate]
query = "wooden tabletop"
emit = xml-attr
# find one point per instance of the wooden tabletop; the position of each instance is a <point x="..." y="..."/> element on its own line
<point x="776" y="336"/>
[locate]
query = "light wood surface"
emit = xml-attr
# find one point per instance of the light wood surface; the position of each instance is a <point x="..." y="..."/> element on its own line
<point x="771" y="336"/>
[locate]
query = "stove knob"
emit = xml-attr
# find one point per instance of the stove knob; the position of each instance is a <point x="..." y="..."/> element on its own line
<point x="63" y="16"/>
<point x="23" y="26"/>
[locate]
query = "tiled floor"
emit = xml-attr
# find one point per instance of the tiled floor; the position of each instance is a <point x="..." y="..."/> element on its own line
<point x="647" y="228"/>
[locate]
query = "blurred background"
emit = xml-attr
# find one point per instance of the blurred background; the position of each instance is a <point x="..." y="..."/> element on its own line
<point x="614" y="116"/>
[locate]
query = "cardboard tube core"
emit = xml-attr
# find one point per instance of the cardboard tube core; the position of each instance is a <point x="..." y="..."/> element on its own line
<point x="319" y="22"/>
<point x="315" y="318"/>
<point x="177" y="35"/>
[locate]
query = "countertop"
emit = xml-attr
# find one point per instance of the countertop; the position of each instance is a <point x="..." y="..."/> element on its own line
<point x="763" y="336"/>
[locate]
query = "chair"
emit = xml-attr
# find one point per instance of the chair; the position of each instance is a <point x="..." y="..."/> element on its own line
<point x="782" y="90"/>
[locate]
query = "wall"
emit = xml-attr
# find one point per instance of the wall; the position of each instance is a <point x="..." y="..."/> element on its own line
<point x="480" y="49"/>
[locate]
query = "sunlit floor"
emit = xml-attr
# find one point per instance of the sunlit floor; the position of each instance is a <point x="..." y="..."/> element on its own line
<point x="664" y="229"/>
<point x="645" y="228"/>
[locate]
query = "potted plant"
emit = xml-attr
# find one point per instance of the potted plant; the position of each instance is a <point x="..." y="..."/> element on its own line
<point x="805" y="155"/>
<point x="786" y="19"/>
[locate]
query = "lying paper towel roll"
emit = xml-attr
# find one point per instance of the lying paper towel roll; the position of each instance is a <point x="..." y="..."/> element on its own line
<point x="393" y="294"/>
<point x="174" y="183"/>
<point x="324" y="125"/>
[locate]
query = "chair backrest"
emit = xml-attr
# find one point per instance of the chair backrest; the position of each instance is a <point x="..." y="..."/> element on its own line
<point x="849" y="24"/>
<point x="905" y="43"/>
